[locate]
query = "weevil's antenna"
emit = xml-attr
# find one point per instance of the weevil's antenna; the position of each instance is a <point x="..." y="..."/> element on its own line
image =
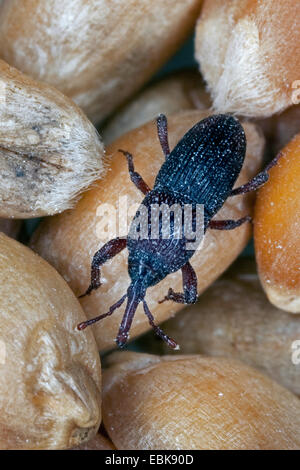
<point x="170" y="342"/>
<point x="85" y="324"/>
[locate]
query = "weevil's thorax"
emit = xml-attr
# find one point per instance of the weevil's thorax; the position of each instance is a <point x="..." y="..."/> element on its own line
<point x="156" y="241"/>
<point x="206" y="163"/>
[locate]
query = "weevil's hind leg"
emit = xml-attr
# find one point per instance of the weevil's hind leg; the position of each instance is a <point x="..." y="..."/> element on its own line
<point x="108" y="251"/>
<point x="85" y="324"/>
<point x="162" y="131"/>
<point x="170" y="342"/>
<point x="258" y="180"/>
<point x="134" y="176"/>
<point x="228" y="224"/>
<point x="189" y="281"/>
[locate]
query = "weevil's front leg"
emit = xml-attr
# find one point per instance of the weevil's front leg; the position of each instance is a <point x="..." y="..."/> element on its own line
<point x="162" y="131"/>
<point x="134" y="176"/>
<point x="189" y="282"/>
<point x="108" y="251"/>
<point x="228" y="224"/>
<point x="258" y="180"/>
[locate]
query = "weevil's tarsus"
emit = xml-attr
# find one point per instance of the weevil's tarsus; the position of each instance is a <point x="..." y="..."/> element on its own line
<point x="258" y="180"/>
<point x="108" y="251"/>
<point x="189" y="282"/>
<point x="85" y="324"/>
<point x="174" y="296"/>
<point x="170" y="342"/>
<point x="135" y="177"/>
<point x="274" y="161"/>
<point x="162" y="131"/>
<point x="229" y="224"/>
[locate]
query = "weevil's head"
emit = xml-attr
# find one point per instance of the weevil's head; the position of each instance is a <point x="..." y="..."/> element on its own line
<point x="144" y="271"/>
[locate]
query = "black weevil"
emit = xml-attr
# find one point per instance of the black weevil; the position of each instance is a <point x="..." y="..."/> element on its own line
<point x="201" y="170"/>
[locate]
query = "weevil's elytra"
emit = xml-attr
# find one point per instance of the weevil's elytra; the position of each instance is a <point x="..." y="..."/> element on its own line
<point x="202" y="169"/>
<point x="205" y="164"/>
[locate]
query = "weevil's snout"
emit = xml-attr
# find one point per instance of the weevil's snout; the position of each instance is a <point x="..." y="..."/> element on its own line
<point x="135" y="295"/>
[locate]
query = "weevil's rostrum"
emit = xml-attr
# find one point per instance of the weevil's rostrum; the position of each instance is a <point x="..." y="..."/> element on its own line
<point x="200" y="171"/>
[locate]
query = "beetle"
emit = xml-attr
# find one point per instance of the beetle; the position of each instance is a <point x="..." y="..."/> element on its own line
<point x="201" y="170"/>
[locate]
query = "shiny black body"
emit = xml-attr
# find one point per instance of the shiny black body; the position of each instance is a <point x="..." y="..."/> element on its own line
<point x="201" y="170"/>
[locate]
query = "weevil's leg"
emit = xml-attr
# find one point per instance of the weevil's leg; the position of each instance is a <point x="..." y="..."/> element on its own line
<point x="170" y="342"/>
<point x="85" y="324"/>
<point x="228" y="224"/>
<point x="108" y="251"/>
<point x="189" y="281"/>
<point x="162" y="131"/>
<point x="134" y="176"/>
<point x="258" y="180"/>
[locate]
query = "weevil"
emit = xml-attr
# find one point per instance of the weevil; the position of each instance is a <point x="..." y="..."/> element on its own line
<point x="201" y="170"/>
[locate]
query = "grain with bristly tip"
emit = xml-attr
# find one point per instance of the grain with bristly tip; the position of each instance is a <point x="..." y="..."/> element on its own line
<point x="277" y="229"/>
<point x="177" y="92"/>
<point x="50" y="375"/>
<point x="97" y="52"/>
<point x="195" y="403"/>
<point x="70" y="240"/>
<point x="248" y="52"/>
<point x="10" y="227"/>
<point x="234" y="319"/>
<point x="49" y="150"/>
